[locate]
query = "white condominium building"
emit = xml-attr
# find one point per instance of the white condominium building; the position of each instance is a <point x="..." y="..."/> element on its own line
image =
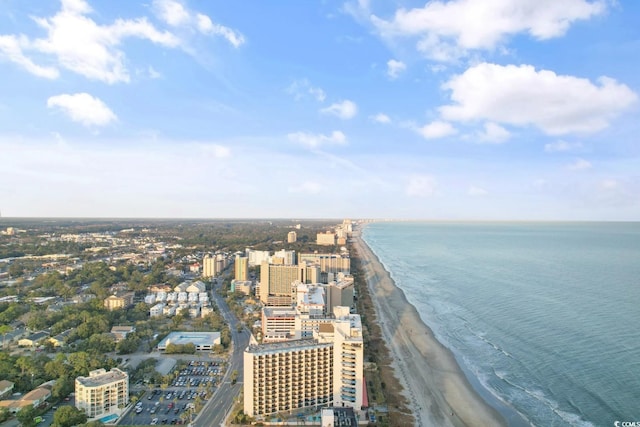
<point x="102" y="392"/>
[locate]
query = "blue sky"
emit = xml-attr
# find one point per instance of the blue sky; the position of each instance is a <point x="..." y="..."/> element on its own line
<point x="460" y="109"/>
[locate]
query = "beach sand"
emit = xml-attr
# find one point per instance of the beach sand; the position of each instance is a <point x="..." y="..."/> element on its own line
<point x="439" y="394"/>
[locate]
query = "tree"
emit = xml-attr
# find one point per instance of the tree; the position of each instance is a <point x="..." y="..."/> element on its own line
<point x="68" y="416"/>
<point x="4" y="414"/>
<point x="26" y="415"/>
<point x="4" y="330"/>
<point x="63" y="387"/>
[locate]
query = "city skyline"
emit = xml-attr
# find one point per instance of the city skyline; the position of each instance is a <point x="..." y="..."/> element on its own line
<point x="452" y="110"/>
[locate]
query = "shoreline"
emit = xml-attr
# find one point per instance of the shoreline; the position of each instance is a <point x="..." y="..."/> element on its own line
<point x="438" y="390"/>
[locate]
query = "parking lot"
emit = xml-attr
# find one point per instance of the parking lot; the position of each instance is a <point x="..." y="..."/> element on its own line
<point x="176" y="404"/>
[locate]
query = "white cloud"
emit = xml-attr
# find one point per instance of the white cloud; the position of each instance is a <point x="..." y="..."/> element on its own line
<point x="307" y="187"/>
<point x="301" y="88"/>
<point x="520" y="95"/>
<point x="172" y="12"/>
<point x="345" y="109"/>
<point x="436" y="129"/>
<point x="87" y="48"/>
<point x="395" y="68"/>
<point x="560" y="146"/>
<point x="216" y="150"/>
<point x="477" y="191"/>
<point x="316" y="140"/>
<point x="493" y="134"/>
<point x="421" y="186"/>
<point x="448" y="30"/>
<point x="83" y="108"/>
<point x="11" y="47"/>
<point x="177" y="15"/>
<point x="579" y="165"/>
<point x="206" y="26"/>
<point x="381" y="118"/>
<point x="153" y="73"/>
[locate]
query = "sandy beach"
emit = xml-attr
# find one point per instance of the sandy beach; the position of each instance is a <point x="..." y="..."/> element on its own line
<point x="439" y="394"/>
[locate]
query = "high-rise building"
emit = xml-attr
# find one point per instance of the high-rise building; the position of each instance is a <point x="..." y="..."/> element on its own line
<point x="257" y="257"/>
<point x="339" y="292"/>
<point x="288" y="257"/>
<point x="102" y="392"/>
<point x="292" y="237"/>
<point x="292" y="375"/>
<point x="242" y="268"/>
<point x="329" y="263"/>
<point x="287" y="376"/>
<point x="327" y="239"/>
<point x="276" y="282"/>
<point x="209" y="266"/>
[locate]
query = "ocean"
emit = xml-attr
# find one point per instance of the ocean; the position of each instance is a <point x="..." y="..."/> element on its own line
<point x="543" y="316"/>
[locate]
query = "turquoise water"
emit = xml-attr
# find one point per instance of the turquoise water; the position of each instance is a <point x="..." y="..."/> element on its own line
<point x="545" y="315"/>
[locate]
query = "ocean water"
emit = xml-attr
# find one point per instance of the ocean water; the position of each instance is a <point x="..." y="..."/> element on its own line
<point x="546" y="316"/>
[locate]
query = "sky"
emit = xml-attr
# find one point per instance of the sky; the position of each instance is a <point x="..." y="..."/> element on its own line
<point x="453" y="110"/>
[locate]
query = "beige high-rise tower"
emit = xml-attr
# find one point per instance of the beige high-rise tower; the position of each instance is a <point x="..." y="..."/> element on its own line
<point x="242" y="268"/>
<point x="209" y="266"/>
<point x="292" y="237"/>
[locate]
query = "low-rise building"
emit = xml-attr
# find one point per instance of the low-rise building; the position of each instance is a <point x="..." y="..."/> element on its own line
<point x="203" y="341"/>
<point x="119" y="300"/>
<point x="121" y="332"/>
<point x="33" y="339"/>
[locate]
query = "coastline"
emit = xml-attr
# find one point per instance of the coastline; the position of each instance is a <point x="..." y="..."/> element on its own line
<point x="436" y="387"/>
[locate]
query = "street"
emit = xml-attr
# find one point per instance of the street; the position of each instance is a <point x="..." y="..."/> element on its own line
<point x="218" y="407"/>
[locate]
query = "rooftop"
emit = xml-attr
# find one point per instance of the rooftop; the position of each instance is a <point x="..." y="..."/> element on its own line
<point x="97" y="378"/>
<point x="292" y="345"/>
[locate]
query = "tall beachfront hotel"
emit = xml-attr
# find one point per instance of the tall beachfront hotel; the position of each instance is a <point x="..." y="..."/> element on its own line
<point x="293" y="375"/>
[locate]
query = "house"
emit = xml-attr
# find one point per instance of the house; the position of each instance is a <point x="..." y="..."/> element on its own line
<point x="33" y="339"/>
<point x="34" y="397"/>
<point x="121" y="332"/>
<point x="60" y="339"/>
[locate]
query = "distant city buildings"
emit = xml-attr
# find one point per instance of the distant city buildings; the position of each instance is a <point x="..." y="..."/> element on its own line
<point x="292" y="237"/>
<point x="102" y="393"/>
<point x="326" y="239"/>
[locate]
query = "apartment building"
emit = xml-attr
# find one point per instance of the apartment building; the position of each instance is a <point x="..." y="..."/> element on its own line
<point x="287" y="376"/>
<point x="329" y="263"/>
<point x="241" y="268"/>
<point x="276" y="282"/>
<point x="326" y="239"/>
<point x="292" y="375"/>
<point x="119" y="300"/>
<point x="102" y="392"/>
<point x="209" y="266"/>
<point x="278" y="324"/>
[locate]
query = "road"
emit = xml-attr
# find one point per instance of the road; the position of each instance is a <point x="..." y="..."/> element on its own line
<point x="218" y="407"/>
